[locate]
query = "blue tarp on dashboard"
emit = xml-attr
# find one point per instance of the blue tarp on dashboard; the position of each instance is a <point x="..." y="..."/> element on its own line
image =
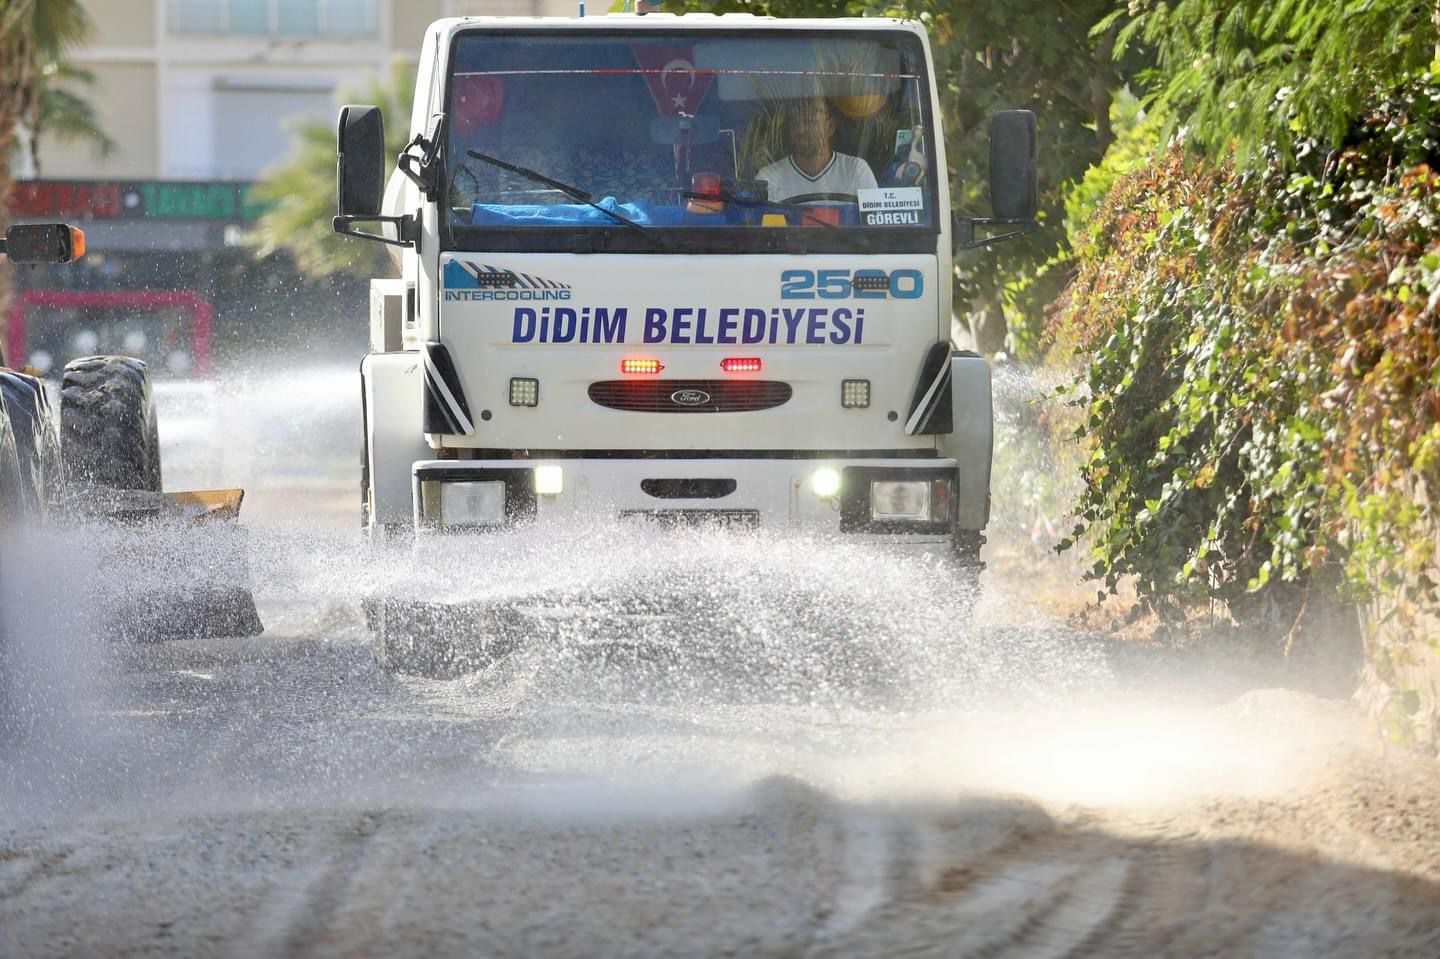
<point x="581" y="214"/>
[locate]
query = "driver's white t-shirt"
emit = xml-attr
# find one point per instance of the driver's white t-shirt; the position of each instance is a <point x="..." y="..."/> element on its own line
<point x="843" y="174"/>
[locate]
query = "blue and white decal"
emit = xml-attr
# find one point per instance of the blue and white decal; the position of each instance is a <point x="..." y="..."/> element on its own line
<point x="467" y="280"/>
<point x="691" y="325"/>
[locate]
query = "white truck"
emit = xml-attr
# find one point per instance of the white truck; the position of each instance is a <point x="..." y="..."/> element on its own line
<point x="685" y="269"/>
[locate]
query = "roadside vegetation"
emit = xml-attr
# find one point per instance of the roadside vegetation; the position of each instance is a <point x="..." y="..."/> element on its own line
<point x="1255" y="308"/>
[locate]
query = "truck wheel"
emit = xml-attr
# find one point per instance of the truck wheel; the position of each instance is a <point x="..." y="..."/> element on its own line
<point x="12" y="491"/>
<point x="403" y="645"/>
<point x="37" y="443"/>
<point x="109" y="435"/>
<point x="437" y="642"/>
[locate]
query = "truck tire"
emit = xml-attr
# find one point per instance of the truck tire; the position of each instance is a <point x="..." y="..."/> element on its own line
<point x="436" y="642"/>
<point x="37" y="441"/>
<point x="12" y="494"/>
<point x="404" y="646"/>
<point x="109" y="434"/>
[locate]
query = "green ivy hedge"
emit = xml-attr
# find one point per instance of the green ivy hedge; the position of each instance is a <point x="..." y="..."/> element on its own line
<point x="1262" y="395"/>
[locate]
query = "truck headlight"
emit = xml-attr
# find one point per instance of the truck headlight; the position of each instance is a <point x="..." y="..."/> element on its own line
<point x="900" y="500"/>
<point x="549" y="480"/>
<point x="825" y="482"/>
<point x="472" y="504"/>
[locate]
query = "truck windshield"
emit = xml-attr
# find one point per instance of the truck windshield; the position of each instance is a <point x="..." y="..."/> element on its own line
<point x="697" y="136"/>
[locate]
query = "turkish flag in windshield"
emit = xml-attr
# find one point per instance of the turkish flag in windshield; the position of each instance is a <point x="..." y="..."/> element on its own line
<point x="670" y="71"/>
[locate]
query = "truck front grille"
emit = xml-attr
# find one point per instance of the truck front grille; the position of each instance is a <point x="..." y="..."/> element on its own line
<point x="690" y="396"/>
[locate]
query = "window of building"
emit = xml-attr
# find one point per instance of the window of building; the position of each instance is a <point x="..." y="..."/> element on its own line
<point x="259" y="116"/>
<point x="505" y="8"/>
<point x="274" y="18"/>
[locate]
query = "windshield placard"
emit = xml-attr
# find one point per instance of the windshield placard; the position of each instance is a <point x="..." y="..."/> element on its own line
<point x="891" y="206"/>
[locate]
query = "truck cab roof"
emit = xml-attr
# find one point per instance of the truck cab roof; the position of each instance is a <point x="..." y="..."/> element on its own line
<point x="673" y="21"/>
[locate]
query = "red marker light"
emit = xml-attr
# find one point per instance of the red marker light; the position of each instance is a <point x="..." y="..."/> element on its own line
<point x="740" y="364"/>
<point x="640" y="366"/>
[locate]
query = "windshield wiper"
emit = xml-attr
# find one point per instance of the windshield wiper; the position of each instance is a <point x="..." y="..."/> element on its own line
<point x="571" y="191"/>
<point x="725" y="196"/>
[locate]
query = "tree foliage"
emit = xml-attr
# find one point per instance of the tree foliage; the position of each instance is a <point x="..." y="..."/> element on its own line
<point x="32" y="33"/>
<point x="1262" y="400"/>
<point x="1274" y="75"/>
<point x="61" y="110"/>
<point x="299" y="195"/>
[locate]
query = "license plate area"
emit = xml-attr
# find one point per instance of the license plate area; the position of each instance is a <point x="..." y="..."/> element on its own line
<point x="695" y="518"/>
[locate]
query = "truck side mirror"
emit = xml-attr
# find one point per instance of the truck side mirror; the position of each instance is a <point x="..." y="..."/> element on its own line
<point x="1014" y="157"/>
<point x="360" y="163"/>
<point x="43" y="243"/>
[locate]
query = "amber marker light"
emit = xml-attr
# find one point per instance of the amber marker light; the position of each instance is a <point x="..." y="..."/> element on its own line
<point x="636" y="365"/>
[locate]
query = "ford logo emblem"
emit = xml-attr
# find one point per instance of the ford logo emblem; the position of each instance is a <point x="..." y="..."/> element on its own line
<point x="690" y="398"/>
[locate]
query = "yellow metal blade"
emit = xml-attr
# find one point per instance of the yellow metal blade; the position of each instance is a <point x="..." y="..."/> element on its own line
<point x="216" y="504"/>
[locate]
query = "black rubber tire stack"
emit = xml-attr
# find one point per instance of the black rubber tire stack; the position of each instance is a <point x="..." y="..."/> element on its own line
<point x="109" y="434"/>
<point x="12" y="490"/>
<point x="37" y="440"/>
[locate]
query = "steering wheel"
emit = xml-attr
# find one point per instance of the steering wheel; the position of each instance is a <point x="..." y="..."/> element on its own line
<point x="815" y="197"/>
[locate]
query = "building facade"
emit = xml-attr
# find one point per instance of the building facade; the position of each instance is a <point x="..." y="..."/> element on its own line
<point x="210" y="89"/>
<point x="201" y="97"/>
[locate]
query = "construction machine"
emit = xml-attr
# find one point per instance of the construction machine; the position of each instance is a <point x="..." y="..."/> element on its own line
<point x="95" y="457"/>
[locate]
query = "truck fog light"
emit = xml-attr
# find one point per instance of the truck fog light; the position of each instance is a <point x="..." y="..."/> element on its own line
<point x="549" y="480"/>
<point x="854" y="394"/>
<point x="524" y="391"/>
<point x="900" y="500"/>
<point x="825" y="482"/>
<point x="472" y="504"/>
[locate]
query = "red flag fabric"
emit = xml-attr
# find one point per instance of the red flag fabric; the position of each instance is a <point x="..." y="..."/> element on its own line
<point x="670" y="71"/>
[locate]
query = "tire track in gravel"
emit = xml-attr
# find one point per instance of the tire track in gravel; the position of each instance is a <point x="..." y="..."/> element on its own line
<point x="20" y="869"/>
<point x="297" y="916"/>
<point x="787" y="871"/>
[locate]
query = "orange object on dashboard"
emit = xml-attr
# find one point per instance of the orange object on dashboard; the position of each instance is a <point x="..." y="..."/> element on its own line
<point x="708" y="184"/>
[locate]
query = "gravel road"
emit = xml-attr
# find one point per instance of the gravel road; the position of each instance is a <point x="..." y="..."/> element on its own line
<point x="871" y="777"/>
<point x="816" y="754"/>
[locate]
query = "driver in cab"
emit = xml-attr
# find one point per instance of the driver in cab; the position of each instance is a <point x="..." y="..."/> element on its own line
<point x="813" y="168"/>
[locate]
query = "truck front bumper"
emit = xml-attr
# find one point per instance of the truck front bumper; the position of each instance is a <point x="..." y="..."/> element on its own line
<point x="907" y="501"/>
